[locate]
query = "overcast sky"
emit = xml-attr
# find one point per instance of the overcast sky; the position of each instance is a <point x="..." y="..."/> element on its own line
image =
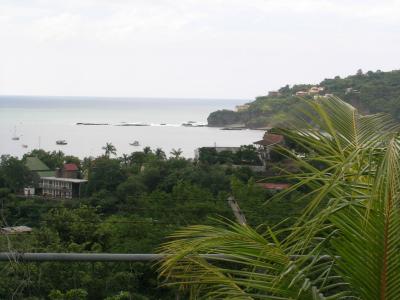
<point x="190" y="48"/>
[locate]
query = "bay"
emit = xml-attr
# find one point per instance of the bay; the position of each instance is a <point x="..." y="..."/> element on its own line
<point x="40" y="121"/>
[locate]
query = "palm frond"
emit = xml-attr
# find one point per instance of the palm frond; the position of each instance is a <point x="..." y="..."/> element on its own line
<point x="344" y="246"/>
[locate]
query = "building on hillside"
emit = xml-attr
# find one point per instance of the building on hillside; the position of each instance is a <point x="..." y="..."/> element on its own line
<point x="29" y="191"/>
<point x="351" y="90"/>
<point x="62" y="183"/>
<point x="37" y="167"/>
<point x="274" y="94"/>
<point x="243" y="107"/>
<point x="267" y="143"/>
<point x="65" y="184"/>
<point x="15" y="230"/>
<point x="315" y="90"/>
<point x="38" y="170"/>
<point x="301" y="93"/>
<point x="58" y="187"/>
<point x="69" y="170"/>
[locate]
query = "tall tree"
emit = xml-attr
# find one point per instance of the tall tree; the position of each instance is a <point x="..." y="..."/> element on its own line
<point x="105" y="173"/>
<point x="176" y="153"/>
<point x="109" y="149"/>
<point x="14" y="173"/>
<point x="125" y="159"/>
<point x="160" y="154"/>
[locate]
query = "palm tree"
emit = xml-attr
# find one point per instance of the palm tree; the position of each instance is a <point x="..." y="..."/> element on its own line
<point x="176" y="153"/>
<point x="147" y="150"/>
<point x="344" y="246"/>
<point x="109" y="149"/>
<point x="160" y="154"/>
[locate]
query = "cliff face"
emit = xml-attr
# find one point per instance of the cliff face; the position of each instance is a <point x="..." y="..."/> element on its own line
<point x="263" y="112"/>
<point x="223" y="117"/>
<point x="371" y="92"/>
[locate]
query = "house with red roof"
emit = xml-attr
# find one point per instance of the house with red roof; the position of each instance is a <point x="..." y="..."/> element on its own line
<point x="69" y="170"/>
<point x="66" y="183"/>
<point x="269" y="141"/>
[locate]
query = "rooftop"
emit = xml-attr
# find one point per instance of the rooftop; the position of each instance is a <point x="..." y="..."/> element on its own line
<point x="35" y="164"/>
<point x="45" y="173"/>
<point x="270" y="139"/>
<point x="73" y="180"/>
<point x="70" y="167"/>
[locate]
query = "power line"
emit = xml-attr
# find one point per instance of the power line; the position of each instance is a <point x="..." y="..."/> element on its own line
<point x="88" y="257"/>
<point x="112" y="257"/>
<point x="132" y="209"/>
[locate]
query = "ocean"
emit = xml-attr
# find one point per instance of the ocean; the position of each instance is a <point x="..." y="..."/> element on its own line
<point x="40" y="121"/>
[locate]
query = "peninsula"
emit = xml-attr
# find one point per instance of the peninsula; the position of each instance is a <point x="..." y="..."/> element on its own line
<point x="370" y="92"/>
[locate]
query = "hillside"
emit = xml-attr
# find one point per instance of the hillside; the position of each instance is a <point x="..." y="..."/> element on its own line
<point x="371" y="92"/>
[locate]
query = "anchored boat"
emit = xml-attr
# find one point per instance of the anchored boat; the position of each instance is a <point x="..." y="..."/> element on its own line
<point x="61" y="142"/>
<point x="15" y="137"/>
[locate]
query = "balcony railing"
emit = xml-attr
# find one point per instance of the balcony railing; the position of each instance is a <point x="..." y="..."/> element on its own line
<point x="54" y="187"/>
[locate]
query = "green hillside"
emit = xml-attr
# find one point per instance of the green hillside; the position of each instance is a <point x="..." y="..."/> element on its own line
<point x="371" y="92"/>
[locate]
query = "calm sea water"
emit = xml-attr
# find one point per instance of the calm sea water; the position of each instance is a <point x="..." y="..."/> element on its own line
<point x="40" y="121"/>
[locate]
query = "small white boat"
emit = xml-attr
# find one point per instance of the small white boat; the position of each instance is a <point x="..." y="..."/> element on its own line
<point x="61" y="142"/>
<point x="135" y="143"/>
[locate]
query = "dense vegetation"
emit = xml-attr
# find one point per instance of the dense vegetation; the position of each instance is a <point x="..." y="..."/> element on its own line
<point x="131" y="204"/>
<point x="246" y="155"/>
<point x="371" y="92"/>
<point x="344" y="246"/>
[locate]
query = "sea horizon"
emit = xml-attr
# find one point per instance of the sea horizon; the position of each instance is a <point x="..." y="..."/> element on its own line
<point x="40" y="121"/>
<point x="85" y="97"/>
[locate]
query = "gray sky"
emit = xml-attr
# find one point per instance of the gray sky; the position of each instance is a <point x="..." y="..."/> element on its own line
<point x="190" y="48"/>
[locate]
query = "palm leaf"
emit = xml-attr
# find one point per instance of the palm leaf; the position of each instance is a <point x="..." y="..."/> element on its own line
<point x="344" y="246"/>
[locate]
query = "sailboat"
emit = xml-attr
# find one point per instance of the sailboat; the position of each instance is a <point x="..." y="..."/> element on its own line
<point x="15" y="137"/>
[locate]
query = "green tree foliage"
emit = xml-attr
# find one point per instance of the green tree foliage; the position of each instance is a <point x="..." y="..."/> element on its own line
<point x="246" y="155"/>
<point x="15" y="175"/>
<point x="109" y="149"/>
<point x="176" y="153"/>
<point x="74" y="226"/>
<point x="343" y="246"/>
<point x="53" y="160"/>
<point x="133" y="203"/>
<point x="160" y="154"/>
<point x="105" y="173"/>
<point x="370" y="92"/>
<point x="223" y="117"/>
<point x="74" y="294"/>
